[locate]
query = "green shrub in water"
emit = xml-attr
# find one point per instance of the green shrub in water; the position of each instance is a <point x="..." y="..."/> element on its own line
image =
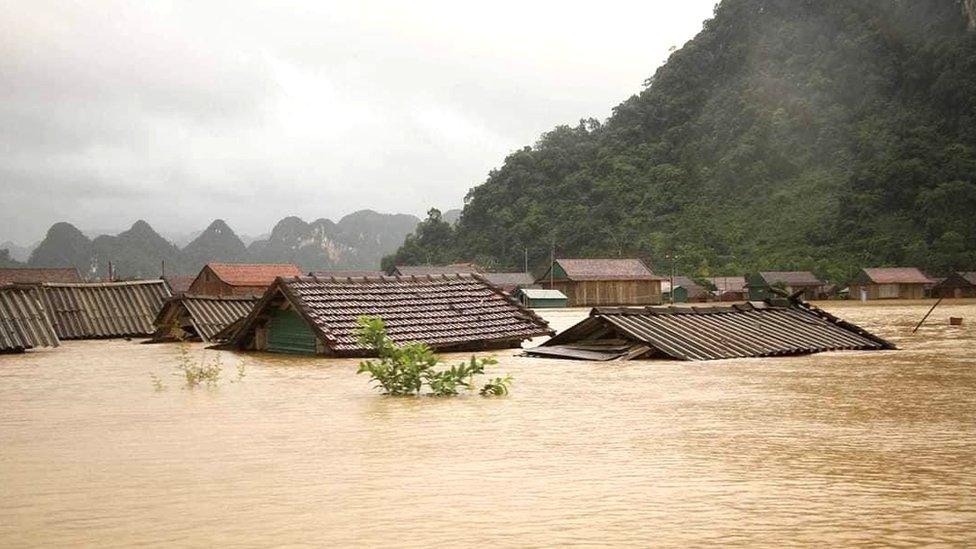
<point x="405" y="369"/>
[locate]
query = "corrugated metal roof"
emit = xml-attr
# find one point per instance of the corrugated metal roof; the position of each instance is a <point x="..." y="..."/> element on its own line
<point x="445" y="312"/>
<point x="104" y="309"/>
<point x="23" y="322"/>
<point x="252" y="274"/>
<point x="208" y="315"/>
<point x="605" y="269"/>
<point x="539" y="293"/>
<point x="32" y="275"/>
<point x="753" y="329"/>
<point x="895" y="275"/>
<point x="791" y="278"/>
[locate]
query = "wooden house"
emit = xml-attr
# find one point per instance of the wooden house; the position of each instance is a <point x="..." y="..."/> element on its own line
<point x="316" y="316"/>
<point x="806" y="283"/>
<point x="889" y="283"/>
<point x="956" y="285"/>
<point x="591" y="282"/>
<point x="239" y="278"/>
<point x="730" y="288"/>
<point x="686" y="290"/>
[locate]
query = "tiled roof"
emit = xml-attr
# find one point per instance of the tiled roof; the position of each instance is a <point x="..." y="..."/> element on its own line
<point x="445" y="312"/>
<point x="510" y="281"/>
<point x="104" y="309"/>
<point x="707" y="333"/>
<point x="896" y="275"/>
<point x="252" y="274"/>
<point x="208" y="315"/>
<point x="606" y="269"/>
<point x="425" y="270"/>
<point x="23" y="323"/>
<point x="791" y="278"/>
<point x="38" y="275"/>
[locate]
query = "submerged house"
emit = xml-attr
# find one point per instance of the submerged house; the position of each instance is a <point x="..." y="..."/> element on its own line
<point x="805" y="283"/>
<point x="540" y="298"/>
<point x="316" y="316"/>
<point x="956" y="285"/>
<point x="38" y="275"/>
<point x="190" y="317"/>
<point x="95" y="310"/>
<point x="730" y="288"/>
<point x="23" y="322"/>
<point x="435" y="270"/>
<point x="509" y="282"/>
<point x="239" y="278"/>
<point x="889" y="283"/>
<point x="753" y="329"/>
<point x="589" y="282"/>
<point x="686" y="290"/>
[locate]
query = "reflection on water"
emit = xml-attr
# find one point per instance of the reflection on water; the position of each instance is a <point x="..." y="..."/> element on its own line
<point x="840" y="448"/>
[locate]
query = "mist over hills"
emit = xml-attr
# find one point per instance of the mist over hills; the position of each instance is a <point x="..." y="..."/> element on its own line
<point x="357" y="241"/>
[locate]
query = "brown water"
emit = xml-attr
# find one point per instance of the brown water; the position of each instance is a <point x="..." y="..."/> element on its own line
<point x="841" y="448"/>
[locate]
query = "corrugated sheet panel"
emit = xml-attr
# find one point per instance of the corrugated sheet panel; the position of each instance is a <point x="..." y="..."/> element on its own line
<point x="709" y="333"/>
<point x="104" y="309"/>
<point x="210" y="315"/>
<point x="23" y="322"/>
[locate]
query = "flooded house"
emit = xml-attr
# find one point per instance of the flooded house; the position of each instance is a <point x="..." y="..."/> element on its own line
<point x="956" y="285"/>
<point x="38" y="275"/>
<point x="24" y="324"/>
<point x="686" y="290"/>
<point x="590" y="282"/>
<point x="730" y="288"/>
<point x="317" y="316"/>
<point x="189" y="317"/>
<point x="435" y="270"/>
<point x="96" y="310"/>
<point x="510" y="282"/>
<point x="753" y="329"/>
<point x="889" y="283"/>
<point x="804" y="283"/>
<point x="239" y="278"/>
<point x="540" y="298"/>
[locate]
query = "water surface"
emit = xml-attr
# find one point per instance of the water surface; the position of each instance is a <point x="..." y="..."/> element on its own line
<point x="841" y="448"/>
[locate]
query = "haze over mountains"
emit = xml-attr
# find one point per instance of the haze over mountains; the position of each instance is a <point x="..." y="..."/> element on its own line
<point x="357" y="241"/>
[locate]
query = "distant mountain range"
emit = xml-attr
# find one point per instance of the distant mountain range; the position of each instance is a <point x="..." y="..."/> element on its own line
<point x="357" y="241"/>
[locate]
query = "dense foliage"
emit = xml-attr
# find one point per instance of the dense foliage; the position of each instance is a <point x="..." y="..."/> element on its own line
<point x="405" y="369"/>
<point x="825" y="135"/>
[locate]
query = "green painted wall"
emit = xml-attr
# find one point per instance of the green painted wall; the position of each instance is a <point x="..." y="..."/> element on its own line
<point x="546" y="303"/>
<point x="289" y="333"/>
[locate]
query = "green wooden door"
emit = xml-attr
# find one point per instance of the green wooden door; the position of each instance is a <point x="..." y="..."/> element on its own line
<point x="289" y="333"/>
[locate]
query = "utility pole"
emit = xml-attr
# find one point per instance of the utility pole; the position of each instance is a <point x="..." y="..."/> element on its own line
<point x="552" y="262"/>
<point x="672" y="258"/>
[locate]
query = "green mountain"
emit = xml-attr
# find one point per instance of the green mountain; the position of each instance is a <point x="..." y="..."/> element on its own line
<point x="809" y="134"/>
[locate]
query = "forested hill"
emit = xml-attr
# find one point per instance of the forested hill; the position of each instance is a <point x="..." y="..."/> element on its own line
<point x="814" y="134"/>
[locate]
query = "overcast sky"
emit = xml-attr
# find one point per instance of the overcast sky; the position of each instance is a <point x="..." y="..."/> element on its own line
<point x="179" y="113"/>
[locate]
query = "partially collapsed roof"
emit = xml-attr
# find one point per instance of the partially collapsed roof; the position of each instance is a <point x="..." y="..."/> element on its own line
<point x="753" y="329"/>
<point x="104" y="309"/>
<point x="200" y="317"/>
<point x="16" y="275"/>
<point x="893" y="275"/>
<point x="447" y="312"/>
<point x="252" y="274"/>
<point x="23" y="323"/>
<point x="604" y="269"/>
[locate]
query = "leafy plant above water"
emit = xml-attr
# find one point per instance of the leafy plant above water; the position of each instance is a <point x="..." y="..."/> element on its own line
<point x="403" y="370"/>
<point x="197" y="372"/>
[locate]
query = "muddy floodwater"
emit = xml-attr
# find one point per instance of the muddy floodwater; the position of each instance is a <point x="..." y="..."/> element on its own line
<point x="836" y="448"/>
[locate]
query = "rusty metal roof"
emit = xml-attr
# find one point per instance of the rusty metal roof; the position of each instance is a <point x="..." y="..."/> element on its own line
<point x="753" y="329"/>
<point x="252" y="274"/>
<point x="605" y="269"/>
<point x="445" y="312"/>
<point x="23" y="322"/>
<point x="32" y="275"/>
<point x="894" y="275"/>
<point x="96" y="310"/>
<point x="208" y="315"/>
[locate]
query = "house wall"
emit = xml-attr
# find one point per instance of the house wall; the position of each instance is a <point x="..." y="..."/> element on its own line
<point x="591" y="293"/>
<point x="887" y="291"/>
